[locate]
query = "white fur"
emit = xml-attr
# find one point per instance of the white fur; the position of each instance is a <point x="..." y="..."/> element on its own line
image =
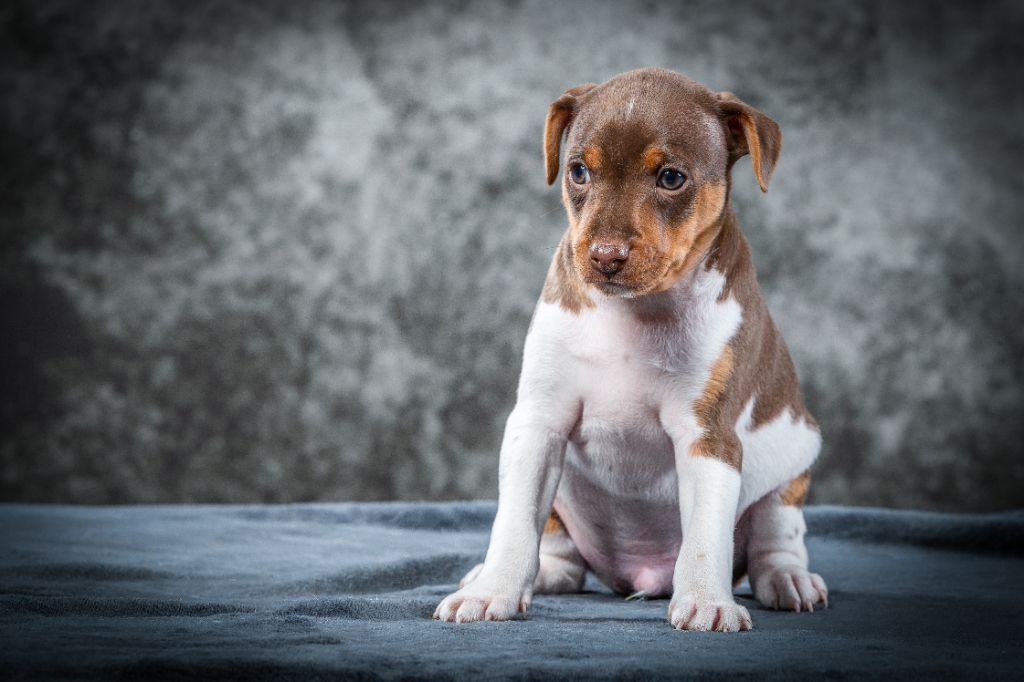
<point x="708" y="492"/>
<point x="773" y="452"/>
<point x="532" y="452"/>
<point x="701" y="584"/>
<point x="531" y="463"/>
<point x="713" y="130"/>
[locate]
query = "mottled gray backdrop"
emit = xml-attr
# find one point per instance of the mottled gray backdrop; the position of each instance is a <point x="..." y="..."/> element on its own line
<point x="263" y="251"/>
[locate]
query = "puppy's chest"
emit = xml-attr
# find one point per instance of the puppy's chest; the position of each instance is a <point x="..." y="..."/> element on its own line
<point x="630" y="373"/>
<point x="621" y="398"/>
<point x="622" y="377"/>
<point x="627" y="358"/>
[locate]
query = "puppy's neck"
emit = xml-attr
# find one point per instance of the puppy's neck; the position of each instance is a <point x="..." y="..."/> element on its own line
<point x="730" y="252"/>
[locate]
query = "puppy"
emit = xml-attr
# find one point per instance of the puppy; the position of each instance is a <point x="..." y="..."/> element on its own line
<point x="659" y="438"/>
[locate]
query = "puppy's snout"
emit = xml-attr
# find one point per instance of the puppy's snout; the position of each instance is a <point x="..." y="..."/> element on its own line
<point x="608" y="259"/>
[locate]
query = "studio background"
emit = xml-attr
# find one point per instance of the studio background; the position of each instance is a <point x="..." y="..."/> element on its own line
<point x="267" y="252"/>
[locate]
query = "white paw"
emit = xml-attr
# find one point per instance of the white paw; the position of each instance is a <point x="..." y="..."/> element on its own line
<point x="790" y="588"/>
<point x="688" y="612"/>
<point x="468" y="605"/>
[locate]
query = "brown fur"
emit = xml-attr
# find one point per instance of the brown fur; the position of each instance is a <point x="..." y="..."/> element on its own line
<point x="750" y="131"/>
<point x="593" y="158"/>
<point x="763" y="366"/>
<point x="707" y="407"/>
<point x="560" y="113"/>
<point x="562" y="287"/>
<point x="653" y="158"/>
<point x="554" y="523"/>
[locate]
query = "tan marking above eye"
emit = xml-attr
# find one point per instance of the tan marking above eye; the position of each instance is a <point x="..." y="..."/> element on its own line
<point x="653" y="157"/>
<point x="593" y="158"/>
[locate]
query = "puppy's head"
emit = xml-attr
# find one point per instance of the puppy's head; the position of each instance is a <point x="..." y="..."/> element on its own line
<point x="647" y="160"/>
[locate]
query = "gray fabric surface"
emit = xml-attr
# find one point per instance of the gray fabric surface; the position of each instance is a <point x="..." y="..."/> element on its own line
<point x="346" y="590"/>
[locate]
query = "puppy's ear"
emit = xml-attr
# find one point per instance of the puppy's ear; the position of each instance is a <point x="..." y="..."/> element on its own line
<point x="748" y="131"/>
<point x="560" y="113"/>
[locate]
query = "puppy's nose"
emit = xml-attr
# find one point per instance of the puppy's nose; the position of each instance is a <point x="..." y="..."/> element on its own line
<point x="608" y="258"/>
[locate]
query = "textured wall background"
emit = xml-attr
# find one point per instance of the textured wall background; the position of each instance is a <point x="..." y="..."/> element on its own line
<point x="259" y="251"/>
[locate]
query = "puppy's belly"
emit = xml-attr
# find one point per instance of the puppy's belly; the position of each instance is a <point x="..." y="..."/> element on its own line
<point x="618" y="498"/>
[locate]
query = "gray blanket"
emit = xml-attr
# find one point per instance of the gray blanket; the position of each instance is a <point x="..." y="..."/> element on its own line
<point x="347" y="590"/>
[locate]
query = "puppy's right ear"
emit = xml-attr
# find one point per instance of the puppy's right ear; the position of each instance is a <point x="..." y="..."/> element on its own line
<point x="560" y="114"/>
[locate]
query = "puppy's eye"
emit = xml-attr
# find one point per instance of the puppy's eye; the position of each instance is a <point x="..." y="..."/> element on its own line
<point x="671" y="179"/>
<point x="579" y="174"/>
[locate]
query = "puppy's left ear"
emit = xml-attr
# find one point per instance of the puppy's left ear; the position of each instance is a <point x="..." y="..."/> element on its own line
<point x="560" y="114"/>
<point x="748" y="131"/>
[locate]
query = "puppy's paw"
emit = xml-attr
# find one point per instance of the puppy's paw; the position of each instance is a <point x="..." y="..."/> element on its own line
<point x="468" y="605"/>
<point x="688" y="612"/>
<point x="790" y="588"/>
<point x="558" y="576"/>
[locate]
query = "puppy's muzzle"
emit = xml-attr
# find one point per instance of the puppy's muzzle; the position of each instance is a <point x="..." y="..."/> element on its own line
<point x="608" y="259"/>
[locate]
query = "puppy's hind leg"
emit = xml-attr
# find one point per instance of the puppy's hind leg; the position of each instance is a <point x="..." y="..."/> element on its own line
<point x="776" y="554"/>
<point x="562" y="569"/>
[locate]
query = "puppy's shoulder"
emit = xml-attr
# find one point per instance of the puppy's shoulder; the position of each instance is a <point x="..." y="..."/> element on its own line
<point x="762" y="366"/>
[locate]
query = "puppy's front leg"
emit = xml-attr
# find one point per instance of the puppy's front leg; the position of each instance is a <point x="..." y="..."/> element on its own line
<point x="532" y="452"/>
<point x="709" y="489"/>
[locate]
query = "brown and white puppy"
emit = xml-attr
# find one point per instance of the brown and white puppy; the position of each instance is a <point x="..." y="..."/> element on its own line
<point x="659" y="438"/>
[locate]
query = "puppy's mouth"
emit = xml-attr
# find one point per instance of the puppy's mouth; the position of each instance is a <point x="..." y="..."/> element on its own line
<point x="610" y="287"/>
<point x="630" y="282"/>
